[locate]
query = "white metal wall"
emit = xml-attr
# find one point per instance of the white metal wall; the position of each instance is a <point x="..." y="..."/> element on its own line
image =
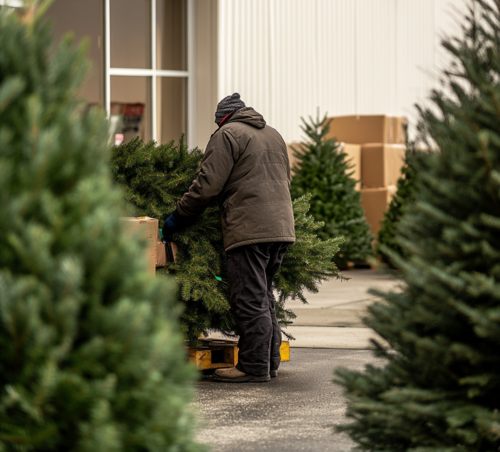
<point x="289" y="58"/>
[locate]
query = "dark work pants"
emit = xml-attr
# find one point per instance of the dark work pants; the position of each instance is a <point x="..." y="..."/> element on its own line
<point x="251" y="269"/>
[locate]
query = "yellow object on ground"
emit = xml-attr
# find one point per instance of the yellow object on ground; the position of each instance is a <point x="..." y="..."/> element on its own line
<point x="219" y="353"/>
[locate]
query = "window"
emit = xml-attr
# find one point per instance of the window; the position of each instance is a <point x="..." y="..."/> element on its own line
<point x="140" y="57"/>
<point x="147" y="68"/>
<point x="85" y="21"/>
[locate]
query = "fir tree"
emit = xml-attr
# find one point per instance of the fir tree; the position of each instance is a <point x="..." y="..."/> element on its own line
<point x="322" y="169"/>
<point x="155" y="178"/>
<point x="90" y="357"/>
<point x="440" y="387"/>
<point x="387" y="241"/>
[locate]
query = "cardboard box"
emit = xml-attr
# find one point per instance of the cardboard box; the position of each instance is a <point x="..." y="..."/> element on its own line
<point x="375" y="201"/>
<point x="382" y="164"/>
<point x="368" y="129"/>
<point x="353" y="152"/>
<point x="147" y="228"/>
<point x="290" y="149"/>
<point x="161" y="254"/>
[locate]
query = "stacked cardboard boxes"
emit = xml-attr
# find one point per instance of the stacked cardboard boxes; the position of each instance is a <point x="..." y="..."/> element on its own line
<point x="147" y="228"/>
<point x="381" y="139"/>
<point x="353" y="152"/>
<point x="162" y="257"/>
<point x="368" y="129"/>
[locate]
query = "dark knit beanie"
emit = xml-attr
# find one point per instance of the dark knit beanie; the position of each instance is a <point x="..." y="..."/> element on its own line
<point x="228" y="105"/>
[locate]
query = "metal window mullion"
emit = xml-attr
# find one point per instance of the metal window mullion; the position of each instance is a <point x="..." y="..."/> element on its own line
<point x="154" y="130"/>
<point x="107" y="59"/>
<point x="167" y="73"/>
<point x="133" y="72"/>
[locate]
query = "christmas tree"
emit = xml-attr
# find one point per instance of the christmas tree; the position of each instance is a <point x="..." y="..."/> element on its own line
<point x="387" y="242"/>
<point x="322" y="169"/>
<point x="155" y="178"/>
<point x="91" y="358"/>
<point x="439" y="389"/>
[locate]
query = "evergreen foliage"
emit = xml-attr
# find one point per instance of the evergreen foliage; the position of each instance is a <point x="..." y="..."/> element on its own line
<point x="90" y="357"/>
<point x="403" y="197"/>
<point x="440" y="387"/>
<point x="156" y="177"/>
<point x="322" y="169"/>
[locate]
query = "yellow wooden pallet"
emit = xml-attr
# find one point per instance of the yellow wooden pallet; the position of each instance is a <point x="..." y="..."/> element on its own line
<point x="217" y="353"/>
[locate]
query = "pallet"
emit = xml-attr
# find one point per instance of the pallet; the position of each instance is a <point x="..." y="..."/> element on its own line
<point x="218" y="353"/>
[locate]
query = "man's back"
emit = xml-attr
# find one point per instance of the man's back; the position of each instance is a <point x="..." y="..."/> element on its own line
<point x="248" y="159"/>
<point x="246" y="166"/>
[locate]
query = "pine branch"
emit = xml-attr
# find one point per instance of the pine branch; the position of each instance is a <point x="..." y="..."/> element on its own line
<point x="201" y="256"/>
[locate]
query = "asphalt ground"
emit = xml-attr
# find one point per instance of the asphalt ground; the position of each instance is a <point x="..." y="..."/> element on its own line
<point x="297" y="411"/>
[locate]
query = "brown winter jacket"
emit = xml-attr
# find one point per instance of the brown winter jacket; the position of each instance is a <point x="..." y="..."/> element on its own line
<point x="246" y="165"/>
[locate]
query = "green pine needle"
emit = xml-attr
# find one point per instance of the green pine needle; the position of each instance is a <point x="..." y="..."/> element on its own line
<point x="91" y="354"/>
<point x="323" y="171"/>
<point x="155" y="178"/>
<point x="438" y="386"/>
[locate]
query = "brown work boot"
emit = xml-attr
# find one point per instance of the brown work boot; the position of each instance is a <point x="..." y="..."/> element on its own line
<point x="233" y="375"/>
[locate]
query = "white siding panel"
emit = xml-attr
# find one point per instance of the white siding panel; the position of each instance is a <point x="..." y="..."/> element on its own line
<point x="293" y="58"/>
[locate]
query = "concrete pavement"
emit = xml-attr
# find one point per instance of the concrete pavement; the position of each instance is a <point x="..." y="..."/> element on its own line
<point x="332" y="318"/>
<point x="295" y="412"/>
<point x="331" y="337"/>
<point x="298" y="410"/>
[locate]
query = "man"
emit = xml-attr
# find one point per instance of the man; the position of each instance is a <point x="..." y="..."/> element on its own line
<point x="246" y="165"/>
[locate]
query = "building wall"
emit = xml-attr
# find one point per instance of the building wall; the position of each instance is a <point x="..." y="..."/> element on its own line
<point x="293" y="58"/>
<point x="206" y="69"/>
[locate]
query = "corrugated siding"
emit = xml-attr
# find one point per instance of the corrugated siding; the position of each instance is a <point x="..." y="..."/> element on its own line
<point x="289" y="58"/>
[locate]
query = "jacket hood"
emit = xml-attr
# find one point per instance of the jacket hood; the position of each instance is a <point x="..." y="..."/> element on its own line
<point x="249" y="116"/>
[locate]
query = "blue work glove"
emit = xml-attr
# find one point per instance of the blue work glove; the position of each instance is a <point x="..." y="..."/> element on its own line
<point x="170" y="226"/>
<point x="174" y="223"/>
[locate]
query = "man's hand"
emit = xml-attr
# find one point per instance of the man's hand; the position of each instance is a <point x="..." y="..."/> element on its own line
<point x="174" y="223"/>
<point x="170" y="226"/>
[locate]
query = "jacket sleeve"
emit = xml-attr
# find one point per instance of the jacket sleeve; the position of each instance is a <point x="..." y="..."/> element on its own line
<point x="216" y="166"/>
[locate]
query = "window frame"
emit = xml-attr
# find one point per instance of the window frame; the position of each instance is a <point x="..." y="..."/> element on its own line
<point x="154" y="74"/>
